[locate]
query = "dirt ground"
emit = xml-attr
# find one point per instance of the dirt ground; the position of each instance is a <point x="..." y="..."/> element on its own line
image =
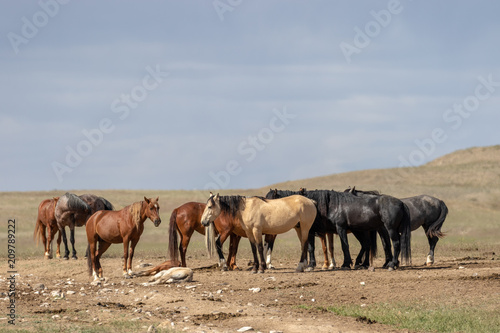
<point x="58" y="294"/>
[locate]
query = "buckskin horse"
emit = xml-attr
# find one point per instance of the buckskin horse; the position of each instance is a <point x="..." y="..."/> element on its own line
<point x="259" y="216"/>
<point x="113" y="227"/>
<point x="186" y="219"/>
<point x="46" y="227"/>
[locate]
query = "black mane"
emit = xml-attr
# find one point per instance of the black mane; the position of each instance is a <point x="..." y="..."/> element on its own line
<point x="231" y="204"/>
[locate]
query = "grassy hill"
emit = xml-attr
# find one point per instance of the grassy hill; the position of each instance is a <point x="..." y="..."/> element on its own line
<point x="467" y="180"/>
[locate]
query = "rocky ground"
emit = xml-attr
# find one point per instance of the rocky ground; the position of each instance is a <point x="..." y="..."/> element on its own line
<point x="57" y="294"/>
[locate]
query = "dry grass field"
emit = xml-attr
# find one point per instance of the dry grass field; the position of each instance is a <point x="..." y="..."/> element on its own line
<point x="460" y="293"/>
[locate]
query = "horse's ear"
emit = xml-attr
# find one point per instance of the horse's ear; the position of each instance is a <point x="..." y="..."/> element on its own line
<point x="157" y="198"/>
<point x="217" y="197"/>
<point x="147" y="200"/>
<point x="353" y="189"/>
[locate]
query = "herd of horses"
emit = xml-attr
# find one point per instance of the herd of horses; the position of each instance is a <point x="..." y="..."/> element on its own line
<point x="318" y="213"/>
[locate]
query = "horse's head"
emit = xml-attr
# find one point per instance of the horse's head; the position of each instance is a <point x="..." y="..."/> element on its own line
<point x="212" y="210"/>
<point x="272" y="194"/>
<point x="153" y="210"/>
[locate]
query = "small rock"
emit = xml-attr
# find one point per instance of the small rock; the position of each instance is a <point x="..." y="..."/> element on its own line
<point x="245" y="329"/>
<point x="55" y="317"/>
<point x="39" y="286"/>
<point x="71" y="292"/>
<point x="255" y="290"/>
<point x="362" y="283"/>
<point x="152" y="329"/>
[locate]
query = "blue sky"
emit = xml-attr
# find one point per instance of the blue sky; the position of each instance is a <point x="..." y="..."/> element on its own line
<point x="239" y="94"/>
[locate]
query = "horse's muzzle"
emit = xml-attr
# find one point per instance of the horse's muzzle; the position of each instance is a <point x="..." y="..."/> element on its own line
<point x="205" y="223"/>
<point x="157" y="222"/>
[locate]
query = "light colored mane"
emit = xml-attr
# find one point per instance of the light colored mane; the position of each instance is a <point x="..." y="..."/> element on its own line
<point x="135" y="212"/>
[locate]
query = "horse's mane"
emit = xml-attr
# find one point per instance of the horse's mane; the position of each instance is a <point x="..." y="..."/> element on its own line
<point x="261" y="198"/>
<point x="355" y="191"/>
<point x="232" y="204"/>
<point x="74" y="202"/>
<point x="135" y="211"/>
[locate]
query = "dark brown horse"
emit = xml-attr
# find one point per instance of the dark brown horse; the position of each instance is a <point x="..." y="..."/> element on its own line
<point x="73" y="211"/>
<point x="114" y="227"/>
<point x="46" y="227"/>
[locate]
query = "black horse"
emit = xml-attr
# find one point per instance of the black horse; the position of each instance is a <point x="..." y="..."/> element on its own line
<point x="425" y="211"/>
<point x="325" y="224"/>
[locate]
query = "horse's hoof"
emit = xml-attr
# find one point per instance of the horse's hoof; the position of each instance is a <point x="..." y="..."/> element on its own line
<point x="390" y="269"/>
<point x="345" y="268"/>
<point x="224" y="269"/>
<point x="254" y="271"/>
<point x="309" y="269"/>
<point x="65" y="258"/>
<point x="126" y="276"/>
<point x="74" y="257"/>
<point x="261" y="271"/>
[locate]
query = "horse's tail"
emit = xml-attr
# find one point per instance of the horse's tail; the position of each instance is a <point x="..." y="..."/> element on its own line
<point x="37" y="234"/>
<point x="406" y="236"/>
<point x="373" y="246"/>
<point x="210" y="239"/>
<point x="89" y="260"/>
<point x="107" y="205"/>
<point x="435" y="228"/>
<point x="173" y="247"/>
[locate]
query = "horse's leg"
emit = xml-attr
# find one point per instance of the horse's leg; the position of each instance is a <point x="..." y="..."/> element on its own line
<point x="396" y="244"/>
<point x="324" y="247"/>
<point x="125" y="257"/>
<point x="345" y="248"/>
<point x="133" y="243"/>
<point x="432" y="245"/>
<point x="58" y="251"/>
<point x="311" y="247"/>
<point x="362" y="241"/>
<point x="386" y="244"/>
<point x="219" y="242"/>
<point x="46" y="245"/>
<point x="65" y="240"/>
<point x="268" y="249"/>
<point x="103" y="246"/>
<point x="257" y="235"/>
<point x="91" y="260"/>
<point x="72" y="240"/>
<point x="234" y="241"/>
<point x="304" y="245"/>
<point x="330" y="247"/>
<point x="184" y="242"/>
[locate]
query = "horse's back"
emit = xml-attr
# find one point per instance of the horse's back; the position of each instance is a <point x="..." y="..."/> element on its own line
<point x="275" y="216"/>
<point x="424" y="209"/>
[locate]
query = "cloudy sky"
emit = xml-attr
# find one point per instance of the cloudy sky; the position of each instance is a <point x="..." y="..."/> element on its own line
<point x="239" y="94"/>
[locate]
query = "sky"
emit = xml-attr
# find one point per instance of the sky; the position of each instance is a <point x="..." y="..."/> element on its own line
<point x="233" y="94"/>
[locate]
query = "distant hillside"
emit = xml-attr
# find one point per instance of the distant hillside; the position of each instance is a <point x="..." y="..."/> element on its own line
<point x="470" y="176"/>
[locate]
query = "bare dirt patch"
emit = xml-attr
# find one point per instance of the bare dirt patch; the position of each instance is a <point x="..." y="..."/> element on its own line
<point x="58" y="294"/>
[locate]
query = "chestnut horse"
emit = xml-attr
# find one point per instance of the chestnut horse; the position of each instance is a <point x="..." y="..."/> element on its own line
<point x="258" y="216"/>
<point x="115" y="227"/>
<point x="46" y="221"/>
<point x="186" y="219"/>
